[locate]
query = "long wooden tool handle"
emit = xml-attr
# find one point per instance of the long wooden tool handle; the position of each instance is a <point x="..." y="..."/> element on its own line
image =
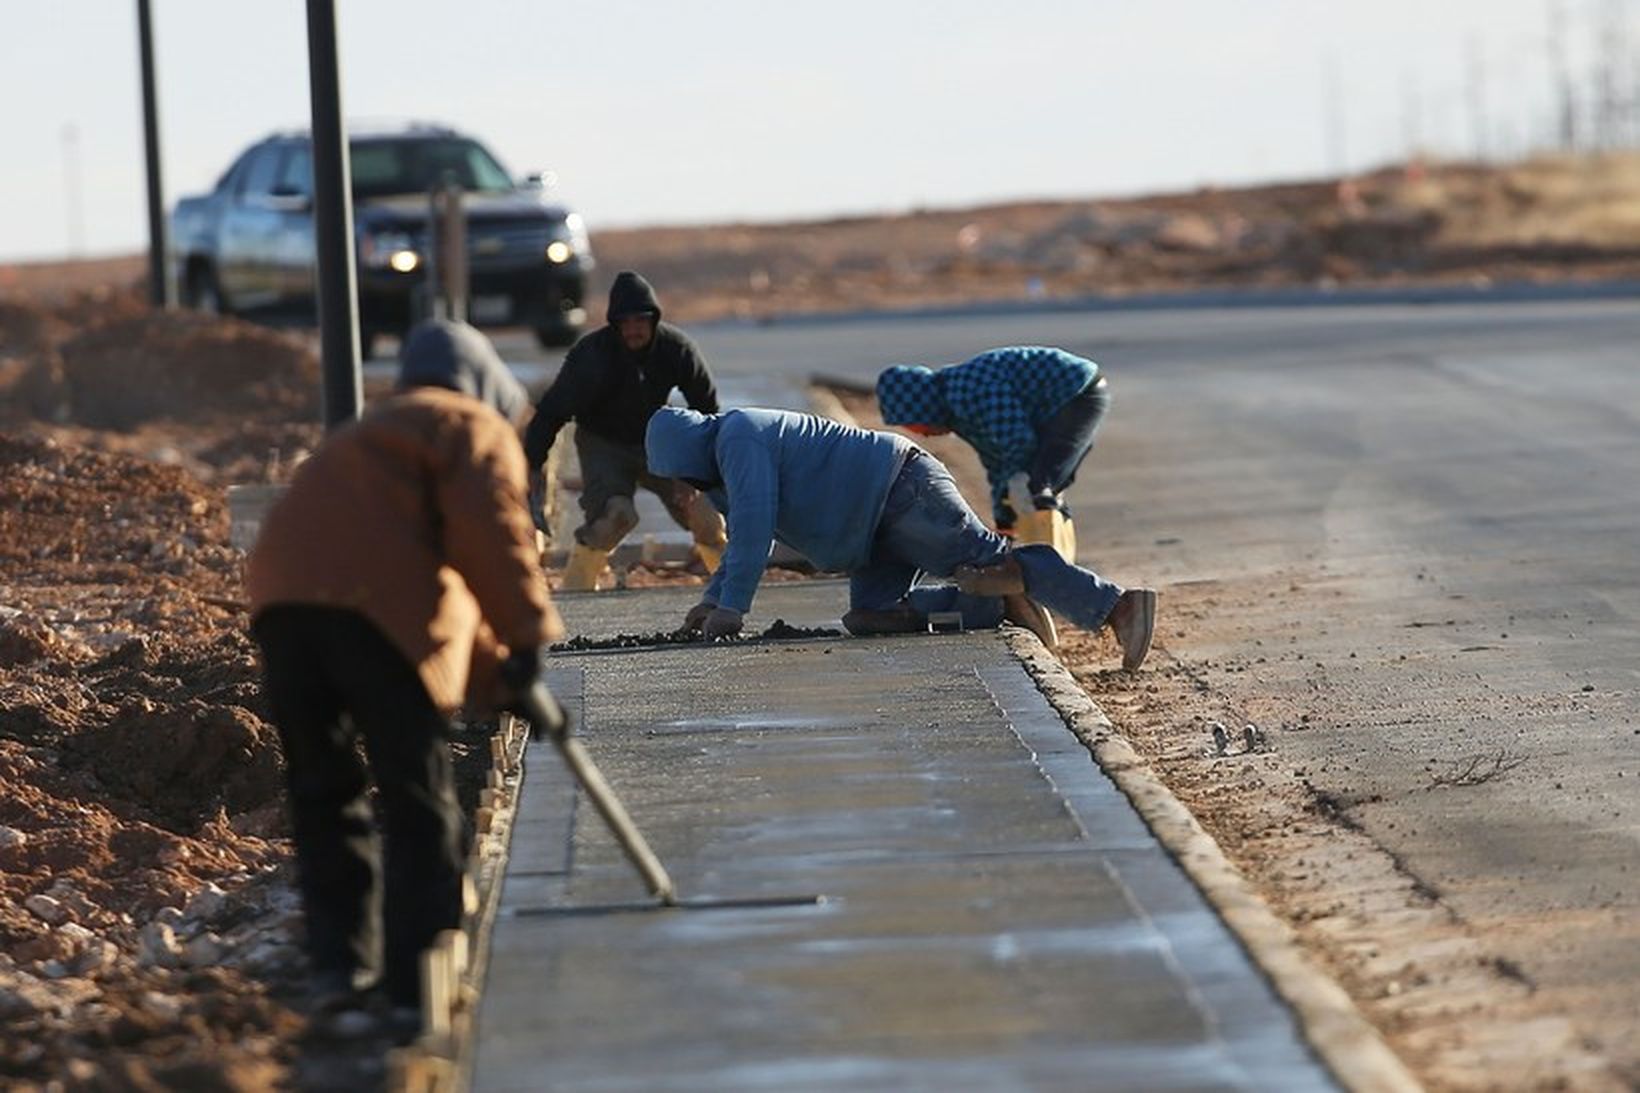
<point x="614" y="813"/>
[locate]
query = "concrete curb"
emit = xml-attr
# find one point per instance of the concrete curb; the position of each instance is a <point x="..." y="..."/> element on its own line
<point x="1347" y="1044"/>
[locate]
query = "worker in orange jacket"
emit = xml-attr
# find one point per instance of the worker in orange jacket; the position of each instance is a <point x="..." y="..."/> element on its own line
<point x="387" y="587"/>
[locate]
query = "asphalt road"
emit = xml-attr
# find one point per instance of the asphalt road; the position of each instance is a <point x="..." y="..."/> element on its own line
<point x="1449" y="500"/>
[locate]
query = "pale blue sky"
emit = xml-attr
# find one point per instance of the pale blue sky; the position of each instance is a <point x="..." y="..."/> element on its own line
<point x="716" y="110"/>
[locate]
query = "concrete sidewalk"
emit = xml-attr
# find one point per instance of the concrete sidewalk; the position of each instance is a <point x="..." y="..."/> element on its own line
<point x="995" y="915"/>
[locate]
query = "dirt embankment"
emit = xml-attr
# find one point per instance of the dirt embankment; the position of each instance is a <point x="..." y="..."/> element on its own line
<point x="147" y="918"/>
<point x="1552" y="219"/>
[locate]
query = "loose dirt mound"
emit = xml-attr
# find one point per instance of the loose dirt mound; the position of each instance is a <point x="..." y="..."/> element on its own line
<point x="182" y="365"/>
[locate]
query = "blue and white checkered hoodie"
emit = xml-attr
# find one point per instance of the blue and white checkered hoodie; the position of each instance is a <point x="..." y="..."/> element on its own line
<point x="996" y="401"/>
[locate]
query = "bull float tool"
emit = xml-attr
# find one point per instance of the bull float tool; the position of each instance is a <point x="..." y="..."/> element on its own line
<point x="548" y="720"/>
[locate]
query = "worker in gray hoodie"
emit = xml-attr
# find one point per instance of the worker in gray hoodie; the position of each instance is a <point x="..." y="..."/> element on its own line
<point x="877" y="507"/>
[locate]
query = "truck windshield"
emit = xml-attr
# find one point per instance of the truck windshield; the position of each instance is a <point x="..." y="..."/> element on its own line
<point x="414" y="165"/>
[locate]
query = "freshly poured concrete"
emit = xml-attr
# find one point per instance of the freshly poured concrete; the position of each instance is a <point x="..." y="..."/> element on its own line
<point x="995" y="916"/>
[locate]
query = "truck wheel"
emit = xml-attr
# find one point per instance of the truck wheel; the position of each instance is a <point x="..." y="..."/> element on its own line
<point x="204" y="294"/>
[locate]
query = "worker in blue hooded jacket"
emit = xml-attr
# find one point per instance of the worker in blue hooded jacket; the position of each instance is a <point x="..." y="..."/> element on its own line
<point x="876" y="506"/>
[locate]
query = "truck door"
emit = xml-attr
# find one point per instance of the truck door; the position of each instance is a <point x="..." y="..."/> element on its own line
<point x="293" y="255"/>
<point x="247" y="232"/>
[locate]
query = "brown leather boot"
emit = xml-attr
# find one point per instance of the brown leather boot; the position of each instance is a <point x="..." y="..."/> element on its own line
<point x="1021" y="610"/>
<point x="1133" y="621"/>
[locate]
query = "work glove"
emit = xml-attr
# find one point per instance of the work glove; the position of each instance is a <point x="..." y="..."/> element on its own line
<point x="520" y="670"/>
<point x="697" y="616"/>
<point x="538" y="502"/>
<point x="1005" y="516"/>
<point x="723" y="622"/>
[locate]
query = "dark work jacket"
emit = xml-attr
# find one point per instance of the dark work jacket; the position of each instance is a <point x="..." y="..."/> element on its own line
<point x="607" y="389"/>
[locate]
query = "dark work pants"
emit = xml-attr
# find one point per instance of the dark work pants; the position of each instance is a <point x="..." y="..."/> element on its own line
<point x="333" y="679"/>
<point x="610" y="469"/>
<point x="1064" y="439"/>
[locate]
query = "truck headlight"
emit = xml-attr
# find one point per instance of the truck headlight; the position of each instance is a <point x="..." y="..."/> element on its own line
<point x="393" y="250"/>
<point x="569" y="238"/>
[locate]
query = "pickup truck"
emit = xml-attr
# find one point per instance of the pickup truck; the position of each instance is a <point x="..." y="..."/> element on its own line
<point x="247" y="247"/>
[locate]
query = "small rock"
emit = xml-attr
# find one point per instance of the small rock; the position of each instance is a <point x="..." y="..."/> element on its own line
<point x="77" y="933"/>
<point x="169" y="916"/>
<point x="207" y="904"/>
<point x="11" y="838"/>
<point x="46" y="909"/>
<point x="162" y="1005"/>
<point x="203" y="951"/>
<point x="72" y="898"/>
<point x="1221" y="739"/>
<point x="54" y="969"/>
<point x="157" y="946"/>
<point x="97" y="956"/>
<point x="15" y="1003"/>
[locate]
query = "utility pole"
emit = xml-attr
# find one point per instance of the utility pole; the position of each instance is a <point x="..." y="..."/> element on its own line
<point x="1475" y="93"/>
<point x="159" y="285"/>
<point x="1412" y="115"/>
<point x="1333" y="115"/>
<point x="1565" y="98"/>
<point x="1612" y="109"/>
<point x="72" y="189"/>
<point x="343" y="391"/>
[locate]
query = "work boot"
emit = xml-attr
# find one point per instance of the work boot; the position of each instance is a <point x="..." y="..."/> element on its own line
<point x="1021" y="610"/>
<point x="710" y="557"/>
<point x="902" y="618"/>
<point x="1050" y="527"/>
<point x="1133" y="621"/>
<point x="586" y="566"/>
<point x="1003" y="578"/>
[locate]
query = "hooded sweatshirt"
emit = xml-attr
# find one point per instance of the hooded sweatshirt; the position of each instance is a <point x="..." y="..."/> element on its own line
<point x="414" y="517"/>
<point x="813" y="484"/>
<point x="606" y="388"/>
<point x="997" y="402"/>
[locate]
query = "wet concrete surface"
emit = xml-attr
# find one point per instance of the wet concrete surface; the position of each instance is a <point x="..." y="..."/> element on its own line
<point x="994" y="915"/>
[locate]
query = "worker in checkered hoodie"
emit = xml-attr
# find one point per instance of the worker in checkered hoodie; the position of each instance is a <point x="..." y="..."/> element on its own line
<point x="1025" y="409"/>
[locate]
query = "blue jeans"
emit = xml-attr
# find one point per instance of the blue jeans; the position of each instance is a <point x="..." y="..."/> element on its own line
<point x="927" y="528"/>
<point x="1065" y="438"/>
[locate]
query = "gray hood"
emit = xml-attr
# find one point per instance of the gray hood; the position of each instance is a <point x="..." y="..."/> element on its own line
<point x="455" y="356"/>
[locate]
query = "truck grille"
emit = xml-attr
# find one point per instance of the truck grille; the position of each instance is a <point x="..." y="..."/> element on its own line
<point x="491" y="246"/>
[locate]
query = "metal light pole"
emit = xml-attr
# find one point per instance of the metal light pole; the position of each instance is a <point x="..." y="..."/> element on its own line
<point x="159" y="285"/>
<point x="343" y="391"/>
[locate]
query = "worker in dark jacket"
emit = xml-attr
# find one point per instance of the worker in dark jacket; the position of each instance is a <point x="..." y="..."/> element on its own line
<point x="612" y="380"/>
<point x="387" y="586"/>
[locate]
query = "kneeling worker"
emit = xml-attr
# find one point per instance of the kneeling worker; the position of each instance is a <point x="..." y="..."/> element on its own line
<point x="611" y="381"/>
<point x="876" y="506"/>
<point x="1025" y="410"/>
<point x="386" y="587"/>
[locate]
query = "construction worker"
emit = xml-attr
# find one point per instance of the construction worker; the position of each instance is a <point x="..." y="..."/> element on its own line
<point x="611" y="381"/>
<point x="395" y="579"/>
<point x="876" y="506"/>
<point x="1026" y="410"/>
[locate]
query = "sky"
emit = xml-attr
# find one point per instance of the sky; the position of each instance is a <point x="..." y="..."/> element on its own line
<point x="709" y="111"/>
